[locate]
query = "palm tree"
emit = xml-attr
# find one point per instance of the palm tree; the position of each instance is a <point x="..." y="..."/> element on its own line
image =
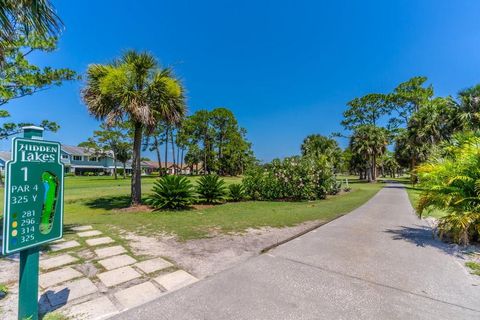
<point x="427" y="127"/>
<point x="317" y="145"/>
<point x="135" y="89"/>
<point x="451" y="182"/>
<point x="369" y="142"/>
<point x="469" y="108"/>
<point x="30" y="16"/>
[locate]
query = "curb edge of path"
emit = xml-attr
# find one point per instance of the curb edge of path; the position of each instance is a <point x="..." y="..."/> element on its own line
<point x="316" y="226"/>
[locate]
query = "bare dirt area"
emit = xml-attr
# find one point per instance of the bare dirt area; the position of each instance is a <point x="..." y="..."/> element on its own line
<point x="205" y="257"/>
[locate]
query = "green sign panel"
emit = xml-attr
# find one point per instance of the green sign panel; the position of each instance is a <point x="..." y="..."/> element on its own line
<point x="33" y="212"/>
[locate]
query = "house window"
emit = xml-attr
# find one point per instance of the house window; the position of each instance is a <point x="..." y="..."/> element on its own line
<point x="93" y="159"/>
<point x="77" y="158"/>
<point x="65" y="156"/>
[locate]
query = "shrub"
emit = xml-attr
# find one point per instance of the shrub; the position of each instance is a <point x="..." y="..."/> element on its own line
<point x="336" y="188"/>
<point x="253" y="183"/>
<point x="55" y="316"/>
<point x="451" y="182"/>
<point x="236" y="192"/>
<point x="211" y="188"/>
<point x="171" y="192"/>
<point x="3" y="290"/>
<point x="474" y="266"/>
<point x="296" y="178"/>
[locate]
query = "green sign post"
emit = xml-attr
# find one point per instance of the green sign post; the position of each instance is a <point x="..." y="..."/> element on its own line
<point x="33" y="213"/>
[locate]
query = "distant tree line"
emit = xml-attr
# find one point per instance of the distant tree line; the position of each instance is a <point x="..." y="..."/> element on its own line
<point x="207" y="141"/>
<point x="391" y="133"/>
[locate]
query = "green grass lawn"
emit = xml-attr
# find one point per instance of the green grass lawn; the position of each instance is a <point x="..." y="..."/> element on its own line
<point x="99" y="201"/>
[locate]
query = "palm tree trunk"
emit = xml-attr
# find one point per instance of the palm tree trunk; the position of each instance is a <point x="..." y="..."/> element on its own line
<point x="157" y="150"/>
<point x="173" y="153"/>
<point x="115" y="166"/>
<point x="178" y="154"/>
<point x="413" y="177"/>
<point x="136" y="189"/>
<point x="124" y="170"/>
<point x="181" y="159"/>
<point x="166" y="150"/>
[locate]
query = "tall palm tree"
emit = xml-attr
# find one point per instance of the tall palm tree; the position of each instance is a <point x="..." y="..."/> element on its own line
<point x="369" y="142"/>
<point x="135" y="89"/>
<point x="469" y="108"/>
<point x="30" y="16"/>
<point x="427" y="127"/>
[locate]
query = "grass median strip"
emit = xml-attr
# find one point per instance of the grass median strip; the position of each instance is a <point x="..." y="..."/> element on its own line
<point x="98" y="201"/>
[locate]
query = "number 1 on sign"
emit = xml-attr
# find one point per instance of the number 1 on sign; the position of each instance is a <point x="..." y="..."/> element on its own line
<point x="25" y="173"/>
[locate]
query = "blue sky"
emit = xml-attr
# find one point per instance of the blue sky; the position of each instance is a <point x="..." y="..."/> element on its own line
<point x="285" y="68"/>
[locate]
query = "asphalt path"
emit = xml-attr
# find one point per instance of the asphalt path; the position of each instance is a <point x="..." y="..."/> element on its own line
<point x="378" y="262"/>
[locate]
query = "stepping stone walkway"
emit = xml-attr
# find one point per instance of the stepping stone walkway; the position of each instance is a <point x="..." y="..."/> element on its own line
<point x="99" y="241"/>
<point x="64" y="245"/>
<point x="100" y="308"/>
<point x="110" y="251"/>
<point x="54" y="277"/>
<point x="118" y="276"/>
<point x="70" y="291"/>
<point x="57" y="261"/>
<point x="88" y="283"/>
<point x="153" y="265"/>
<point x="82" y="228"/>
<point x="117" y="262"/>
<point x="138" y="295"/>
<point x="175" y="280"/>
<point x="91" y="233"/>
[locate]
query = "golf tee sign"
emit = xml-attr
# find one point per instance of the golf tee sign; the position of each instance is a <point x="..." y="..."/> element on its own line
<point x="33" y="209"/>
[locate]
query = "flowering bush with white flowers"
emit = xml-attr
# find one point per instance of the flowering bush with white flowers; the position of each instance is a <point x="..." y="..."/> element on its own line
<point x="295" y="178"/>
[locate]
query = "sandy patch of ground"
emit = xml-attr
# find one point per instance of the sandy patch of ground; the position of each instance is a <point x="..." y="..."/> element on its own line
<point x="204" y="257"/>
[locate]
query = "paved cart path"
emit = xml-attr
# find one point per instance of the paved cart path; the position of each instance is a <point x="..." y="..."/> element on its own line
<point x="378" y="262"/>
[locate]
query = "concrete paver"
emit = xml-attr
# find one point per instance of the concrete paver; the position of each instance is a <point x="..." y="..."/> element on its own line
<point x="99" y="241"/>
<point x="152" y="265"/>
<point x="109" y="251"/>
<point x="137" y="295"/>
<point x="57" y="261"/>
<point x="82" y="228"/>
<point x="54" y="277"/>
<point x="64" y="245"/>
<point x="97" y="309"/>
<point x="118" y="276"/>
<point x="117" y="262"/>
<point x="90" y="233"/>
<point x="69" y="291"/>
<point x="175" y="280"/>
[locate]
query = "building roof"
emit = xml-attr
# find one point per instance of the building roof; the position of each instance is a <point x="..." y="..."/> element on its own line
<point x="75" y="151"/>
<point x="150" y="164"/>
<point x="82" y="151"/>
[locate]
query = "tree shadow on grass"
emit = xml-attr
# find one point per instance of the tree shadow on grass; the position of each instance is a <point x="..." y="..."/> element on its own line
<point x="421" y="236"/>
<point x="109" y="203"/>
